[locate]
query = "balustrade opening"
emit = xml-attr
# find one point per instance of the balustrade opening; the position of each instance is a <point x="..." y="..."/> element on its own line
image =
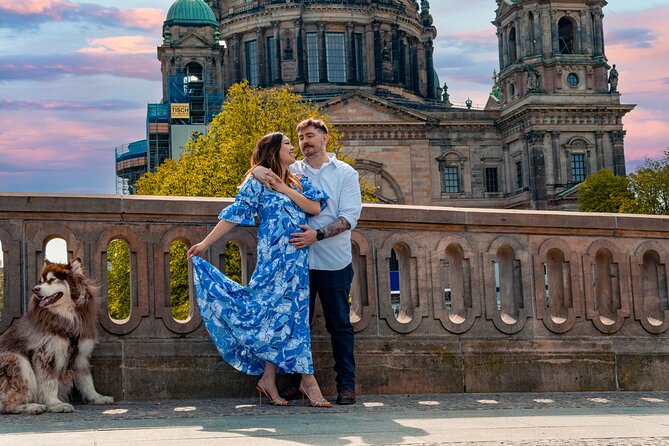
<point x="358" y="296"/>
<point x="508" y="285"/>
<point x="655" y="301"/>
<point x="119" y="280"/>
<point x="400" y="283"/>
<point x="607" y="287"/>
<point x="56" y="250"/>
<point x="456" y="277"/>
<point x="557" y="286"/>
<point x="232" y="262"/>
<point x="179" y="282"/>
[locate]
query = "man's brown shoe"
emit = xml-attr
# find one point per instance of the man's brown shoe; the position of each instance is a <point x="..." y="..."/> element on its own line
<point x="346" y="396"/>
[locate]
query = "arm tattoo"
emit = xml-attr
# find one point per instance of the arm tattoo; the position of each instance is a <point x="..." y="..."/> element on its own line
<point x="336" y="227"/>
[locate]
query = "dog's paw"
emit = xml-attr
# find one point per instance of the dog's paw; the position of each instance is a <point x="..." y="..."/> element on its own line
<point x="60" y="407"/>
<point x="30" y="409"/>
<point x="101" y="399"/>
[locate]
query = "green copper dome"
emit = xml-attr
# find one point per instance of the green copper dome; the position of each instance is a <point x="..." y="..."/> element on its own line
<point x="191" y="13"/>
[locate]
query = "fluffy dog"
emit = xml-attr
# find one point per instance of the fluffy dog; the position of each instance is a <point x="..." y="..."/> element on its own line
<point x="47" y="353"/>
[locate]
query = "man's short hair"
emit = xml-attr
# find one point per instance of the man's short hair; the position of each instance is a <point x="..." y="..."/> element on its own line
<point x="312" y="122"/>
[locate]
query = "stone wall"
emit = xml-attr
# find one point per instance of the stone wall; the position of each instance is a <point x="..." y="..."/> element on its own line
<point x="490" y="300"/>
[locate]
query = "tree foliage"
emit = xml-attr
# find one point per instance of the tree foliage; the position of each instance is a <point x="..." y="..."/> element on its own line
<point x="215" y="164"/>
<point x="603" y="191"/>
<point x="650" y="187"/>
<point x="118" y="279"/>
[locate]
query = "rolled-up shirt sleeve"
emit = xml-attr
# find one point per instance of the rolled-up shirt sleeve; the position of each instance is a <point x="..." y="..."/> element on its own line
<point x="350" y="200"/>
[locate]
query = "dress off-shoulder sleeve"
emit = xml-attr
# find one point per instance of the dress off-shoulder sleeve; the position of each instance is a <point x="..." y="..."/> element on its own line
<point x="309" y="191"/>
<point x="243" y="210"/>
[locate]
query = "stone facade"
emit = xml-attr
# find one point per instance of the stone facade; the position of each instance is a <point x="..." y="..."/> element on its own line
<point x="551" y="120"/>
<point x="490" y="300"/>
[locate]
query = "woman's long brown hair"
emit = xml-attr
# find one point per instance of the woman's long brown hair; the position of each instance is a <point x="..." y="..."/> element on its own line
<point x="266" y="154"/>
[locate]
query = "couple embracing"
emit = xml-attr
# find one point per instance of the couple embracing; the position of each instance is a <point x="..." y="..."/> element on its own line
<point x="306" y="209"/>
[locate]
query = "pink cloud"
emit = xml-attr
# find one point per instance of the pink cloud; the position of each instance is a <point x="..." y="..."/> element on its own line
<point x="643" y="63"/>
<point x="18" y="14"/>
<point x="121" y="45"/>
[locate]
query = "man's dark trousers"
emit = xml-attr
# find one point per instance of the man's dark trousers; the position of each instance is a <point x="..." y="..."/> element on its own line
<point x="333" y="288"/>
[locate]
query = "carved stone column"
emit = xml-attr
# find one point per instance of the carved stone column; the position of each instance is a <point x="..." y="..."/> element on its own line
<point x="599" y="149"/>
<point x="536" y="45"/>
<point x="378" y="60"/>
<point x="350" y="54"/>
<point x="510" y="184"/>
<point x="555" y="148"/>
<point x="218" y="74"/>
<point x="395" y="39"/>
<point x="402" y="58"/>
<point x="429" y="63"/>
<point x="235" y="56"/>
<point x="586" y="32"/>
<point x="261" y="56"/>
<point x="598" y="32"/>
<point x="555" y="37"/>
<point x="535" y="141"/>
<point x="299" y="51"/>
<point x="322" y="57"/>
<point x="278" y="76"/>
<point x="618" y="143"/>
<point x="501" y="44"/>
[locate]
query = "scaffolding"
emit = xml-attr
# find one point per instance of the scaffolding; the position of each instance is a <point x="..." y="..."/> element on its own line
<point x="157" y="134"/>
<point x="130" y="166"/>
<point x="200" y="88"/>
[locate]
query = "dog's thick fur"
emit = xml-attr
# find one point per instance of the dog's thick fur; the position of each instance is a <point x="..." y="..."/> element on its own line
<point x="47" y="353"/>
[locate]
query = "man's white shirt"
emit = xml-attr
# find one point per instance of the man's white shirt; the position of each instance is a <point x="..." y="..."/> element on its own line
<point x="340" y="182"/>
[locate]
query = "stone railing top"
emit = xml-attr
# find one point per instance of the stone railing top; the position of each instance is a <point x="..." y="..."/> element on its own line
<point x="120" y="208"/>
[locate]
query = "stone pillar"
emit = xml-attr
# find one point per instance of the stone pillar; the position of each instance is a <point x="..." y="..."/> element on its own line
<point x="300" y="57"/>
<point x="429" y="50"/>
<point x="555" y="37"/>
<point x="415" y="75"/>
<point x="166" y="68"/>
<point x="235" y="56"/>
<point x="536" y="45"/>
<point x="555" y="148"/>
<point x="501" y="44"/>
<point x="618" y="143"/>
<point x="535" y="141"/>
<point x="218" y="78"/>
<point x="510" y="184"/>
<point x="378" y="60"/>
<point x="322" y="57"/>
<point x="350" y="54"/>
<point x="396" y="53"/>
<point x="599" y="149"/>
<point x="598" y="31"/>
<point x="403" y="59"/>
<point x="278" y="76"/>
<point x="261" y="56"/>
<point x="586" y="34"/>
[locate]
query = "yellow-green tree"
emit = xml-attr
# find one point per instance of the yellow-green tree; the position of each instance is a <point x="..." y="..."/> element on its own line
<point x="179" y="302"/>
<point x="215" y="164"/>
<point x="118" y="279"/>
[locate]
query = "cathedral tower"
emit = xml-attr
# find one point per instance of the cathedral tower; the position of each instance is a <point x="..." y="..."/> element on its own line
<point x="561" y="116"/>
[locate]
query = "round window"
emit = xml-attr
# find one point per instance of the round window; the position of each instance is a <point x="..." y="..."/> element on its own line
<point x="573" y="80"/>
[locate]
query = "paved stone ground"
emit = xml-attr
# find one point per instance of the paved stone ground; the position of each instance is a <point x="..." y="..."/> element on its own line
<point x="508" y="419"/>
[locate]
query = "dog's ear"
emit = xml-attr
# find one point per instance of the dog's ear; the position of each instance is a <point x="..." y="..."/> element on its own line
<point x="75" y="265"/>
<point x="46" y="262"/>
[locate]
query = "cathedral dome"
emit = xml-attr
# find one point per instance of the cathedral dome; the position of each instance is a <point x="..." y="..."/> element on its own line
<point x="191" y="13"/>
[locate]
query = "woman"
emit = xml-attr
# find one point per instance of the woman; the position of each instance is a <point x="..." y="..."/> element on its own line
<point x="263" y="327"/>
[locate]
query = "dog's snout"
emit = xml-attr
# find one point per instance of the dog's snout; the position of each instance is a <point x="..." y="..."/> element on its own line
<point x="36" y="289"/>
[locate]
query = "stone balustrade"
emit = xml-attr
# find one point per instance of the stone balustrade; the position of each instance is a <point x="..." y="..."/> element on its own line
<point x="488" y="301"/>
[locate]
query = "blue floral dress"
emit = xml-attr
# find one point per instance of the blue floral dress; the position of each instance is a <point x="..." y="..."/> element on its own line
<point x="267" y="320"/>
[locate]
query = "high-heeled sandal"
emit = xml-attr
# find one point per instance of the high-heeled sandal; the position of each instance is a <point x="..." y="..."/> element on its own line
<point x="274" y="402"/>
<point x="314" y="403"/>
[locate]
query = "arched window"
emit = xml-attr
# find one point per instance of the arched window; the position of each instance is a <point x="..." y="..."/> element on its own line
<point x="566" y="36"/>
<point x="512" y="46"/>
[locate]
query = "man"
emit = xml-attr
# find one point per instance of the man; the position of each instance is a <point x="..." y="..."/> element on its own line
<point x="328" y="237"/>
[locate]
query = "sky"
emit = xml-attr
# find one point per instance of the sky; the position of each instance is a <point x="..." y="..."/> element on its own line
<point x="75" y="78"/>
